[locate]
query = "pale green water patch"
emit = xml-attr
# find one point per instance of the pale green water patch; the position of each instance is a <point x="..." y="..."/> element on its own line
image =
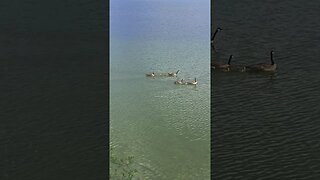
<point x="165" y="126"/>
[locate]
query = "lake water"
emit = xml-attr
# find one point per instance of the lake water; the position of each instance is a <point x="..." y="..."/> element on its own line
<point x="53" y="94"/>
<point x="263" y="126"/>
<point x="166" y="127"/>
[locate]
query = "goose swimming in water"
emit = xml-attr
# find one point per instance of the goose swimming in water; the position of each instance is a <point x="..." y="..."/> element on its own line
<point x="194" y="82"/>
<point x="150" y="74"/>
<point x="179" y="81"/>
<point x="213" y="36"/>
<point x="263" y="66"/>
<point x="223" y="66"/>
<point x="173" y="74"/>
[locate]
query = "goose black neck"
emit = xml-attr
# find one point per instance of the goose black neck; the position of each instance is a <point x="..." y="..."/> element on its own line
<point x="271" y="55"/>
<point x="214" y="35"/>
<point x="229" y="61"/>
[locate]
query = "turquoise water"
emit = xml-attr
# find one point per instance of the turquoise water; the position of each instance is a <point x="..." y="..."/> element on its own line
<point x="166" y="127"/>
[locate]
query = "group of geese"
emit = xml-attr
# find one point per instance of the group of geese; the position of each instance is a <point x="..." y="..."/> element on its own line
<point x="173" y="74"/>
<point x="261" y="67"/>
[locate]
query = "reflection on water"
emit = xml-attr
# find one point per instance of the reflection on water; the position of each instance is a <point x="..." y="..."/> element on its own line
<point x="266" y="125"/>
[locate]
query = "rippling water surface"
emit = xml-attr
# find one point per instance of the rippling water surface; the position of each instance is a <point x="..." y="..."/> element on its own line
<point x="166" y="127"/>
<point x="267" y="126"/>
<point x="53" y="108"/>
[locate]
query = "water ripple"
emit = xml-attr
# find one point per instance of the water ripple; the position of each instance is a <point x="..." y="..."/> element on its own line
<point x="266" y="126"/>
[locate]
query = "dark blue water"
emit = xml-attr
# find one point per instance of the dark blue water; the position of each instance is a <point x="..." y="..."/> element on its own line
<point x="53" y="94"/>
<point x="267" y="126"/>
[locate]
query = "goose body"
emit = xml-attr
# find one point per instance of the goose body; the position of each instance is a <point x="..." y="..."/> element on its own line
<point x="179" y="81"/>
<point x="173" y="74"/>
<point x="183" y="82"/>
<point x="222" y="66"/>
<point x="150" y="74"/>
<point x="194" y="82"/>
<point x="263" y="66"/>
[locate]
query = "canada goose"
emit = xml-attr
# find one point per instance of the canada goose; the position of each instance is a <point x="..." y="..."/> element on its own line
<point x="173" y="74"/>
<point x="214" y="34"/>
<point x="150" y="74"/>
<point x="194" y="82"/>
<point x="263" y="66"/>
<point x="223" y="66"/>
